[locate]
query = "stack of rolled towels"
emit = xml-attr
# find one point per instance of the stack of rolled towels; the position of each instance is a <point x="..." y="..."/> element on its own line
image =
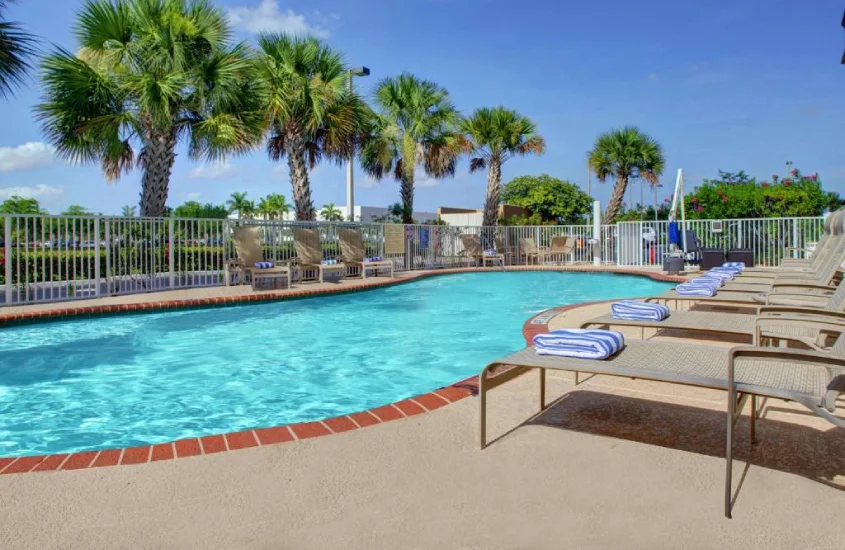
<point x="579" y="343"/>
<point x="638" y="311"/>
<point x="707" y="284"/>
<point x="264" y="265"/>
<point x="372" y="259"/>
<point x="490" y="252"/>
<point x="328" y="262"/>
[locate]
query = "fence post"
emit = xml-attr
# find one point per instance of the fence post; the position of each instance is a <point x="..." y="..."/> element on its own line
<point x="7" y="256"/>
<point x="597" y="243"/>
<point x="794" y="238"/>
<point x="97" y="257"/>
<point x="171" y="272"/>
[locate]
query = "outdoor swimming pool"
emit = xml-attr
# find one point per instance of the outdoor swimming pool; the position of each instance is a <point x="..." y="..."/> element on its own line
<point x="129" y="380"/>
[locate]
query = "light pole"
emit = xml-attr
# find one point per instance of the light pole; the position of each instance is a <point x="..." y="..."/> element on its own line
<point x="350" y="189"/>
<point x="654" y="187"/>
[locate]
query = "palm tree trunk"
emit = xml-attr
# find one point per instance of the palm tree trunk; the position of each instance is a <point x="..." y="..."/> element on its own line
<point x="616" y="198"/>
<point x="407" y="183"/>
<point x="157" y="158"/>
<point x="295" y="151"/>
<point x="494" y="189"/>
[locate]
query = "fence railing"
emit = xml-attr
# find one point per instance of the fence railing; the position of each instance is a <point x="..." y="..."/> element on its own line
<point x="54" y="258"/>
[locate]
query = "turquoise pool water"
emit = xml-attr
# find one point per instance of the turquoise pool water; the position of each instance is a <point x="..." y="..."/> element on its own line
<point x="140" y="379"/>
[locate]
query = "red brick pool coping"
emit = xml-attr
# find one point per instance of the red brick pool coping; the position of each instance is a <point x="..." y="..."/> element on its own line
<point x="211" y="444"/>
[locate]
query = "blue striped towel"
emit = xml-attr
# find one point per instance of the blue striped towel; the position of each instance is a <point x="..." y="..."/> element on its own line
<point x="580" y="343"/>
<point x="715" y="272"/>
<point x="632" y="310"/>
<point x="373" y="259"/>
<point x="264" y="265"/>
<point x="709" y="280"/>
<point x="328" y="262"/>
<point x="490" y="252"/>
<point x="692" y="289"/>
<point x="737" y="266"/>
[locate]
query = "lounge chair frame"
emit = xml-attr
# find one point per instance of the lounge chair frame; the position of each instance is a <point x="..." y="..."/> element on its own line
<point x="352" y="251"/>
<point x="684" y="364"/>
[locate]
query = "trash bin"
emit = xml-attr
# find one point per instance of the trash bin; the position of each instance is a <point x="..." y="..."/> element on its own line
<point x="673" y="265"/>
<point x="744" y="255"/>
<point x="711" y="257"/>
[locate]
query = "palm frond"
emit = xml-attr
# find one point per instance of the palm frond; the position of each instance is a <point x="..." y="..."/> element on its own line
<point x="477" y="164"/>
<point x="17" y="47"/>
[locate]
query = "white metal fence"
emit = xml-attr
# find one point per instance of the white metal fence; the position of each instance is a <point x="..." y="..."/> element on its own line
<point x="54" y="258"/>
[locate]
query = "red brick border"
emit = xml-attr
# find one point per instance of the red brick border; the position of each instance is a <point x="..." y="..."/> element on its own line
<point x="266" y="436"/>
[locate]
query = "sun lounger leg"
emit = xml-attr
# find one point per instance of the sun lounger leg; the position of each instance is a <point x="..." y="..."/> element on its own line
<point x="542" y="389"/>
<point x="576" y="377"/>
<point x="753" y="419"/>
<point x="482" y="403"/>
<point x="729" y="450"/>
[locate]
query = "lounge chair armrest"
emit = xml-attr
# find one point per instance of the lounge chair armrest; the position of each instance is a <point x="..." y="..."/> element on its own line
<point x="772" y="326"/>
<point x="787" y="284"/>
<point x="754" y="352"/>
<point x="800" y="249"/>
<point x="801" y="312"/>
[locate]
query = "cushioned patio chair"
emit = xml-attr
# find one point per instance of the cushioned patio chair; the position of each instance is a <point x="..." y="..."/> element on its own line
<point x="353" y="253"/>
<point x="813" y="379"/>
<point x="250" y="253"/>
<point x="560" y="247"/>
<point x="529" y="250"/>
<point x="474" y="250"/>
<point x="309" y="254"/>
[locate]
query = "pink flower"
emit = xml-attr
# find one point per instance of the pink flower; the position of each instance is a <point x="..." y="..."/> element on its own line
<point x="764" y="184"/>
<point x="787" y="182"/>
<point x="694" y="200"/>
<point x="814" y="177"/>
<point x="794" y="171"/>
<point x="700" y="208"/>
<point x="720" y="191"/>
<point x="725" y="198"/>
<point x="666" y="200"/>
<point x="774" y="177"/>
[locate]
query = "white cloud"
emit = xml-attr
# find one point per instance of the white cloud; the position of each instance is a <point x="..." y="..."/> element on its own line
<point x="214" y="171"/>
<point x="40" y="191"/>
<point x="421" y="179"/>
<point x="191" y="196"/>
<point x="34" y="154"/>
<point x="268" y="17"/>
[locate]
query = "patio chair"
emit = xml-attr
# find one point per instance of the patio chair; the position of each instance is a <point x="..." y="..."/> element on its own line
<point x="528" y="249"/>
<point x="560" y="247"/>
<point x="353" y="252"/>
<point x="503" y="249"/>
<point x="309" y="254"/>
<point x="250" y="253"/>
<point x="474" y="250"/>
<point x="812" y="379"/>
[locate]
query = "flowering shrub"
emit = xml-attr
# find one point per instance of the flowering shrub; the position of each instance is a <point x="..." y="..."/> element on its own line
<point x="742" y="197"/>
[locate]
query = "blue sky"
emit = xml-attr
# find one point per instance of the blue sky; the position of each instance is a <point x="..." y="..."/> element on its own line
<point x="722" y="84"/>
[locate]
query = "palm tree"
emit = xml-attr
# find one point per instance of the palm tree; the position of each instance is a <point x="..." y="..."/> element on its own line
<point x="128" y="211"/>
<point x="238" y="203"/>
<point x="264" y="209"/>
<point x="416" y="126"/>
<point x="309" y="110"/>
<point x="149" y="73"/>
<point x="624" y="154"/>
<point x="278" y="204"/>
<point x="331" y="213"/>
<point x="247" y="210"/>
<point x="492" y="137"/>
<point x="16" y="47"/>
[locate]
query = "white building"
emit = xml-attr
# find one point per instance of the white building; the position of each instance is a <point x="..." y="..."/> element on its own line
<point x="363" y="214"/>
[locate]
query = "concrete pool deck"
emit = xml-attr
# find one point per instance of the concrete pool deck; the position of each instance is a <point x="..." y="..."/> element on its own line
<point x="653" y="479"/>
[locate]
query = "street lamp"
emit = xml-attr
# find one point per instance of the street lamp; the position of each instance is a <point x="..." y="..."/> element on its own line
<point x="350" y="191"/>
<point x="654" y="188"/>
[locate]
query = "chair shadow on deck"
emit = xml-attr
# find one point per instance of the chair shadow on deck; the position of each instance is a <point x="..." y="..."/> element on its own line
<point x="814" y="453"/>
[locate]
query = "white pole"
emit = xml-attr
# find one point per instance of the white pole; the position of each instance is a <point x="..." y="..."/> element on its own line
<point x="350" y="190"/>
<point x="679" y="196"/>
<point x="597" y="244"/>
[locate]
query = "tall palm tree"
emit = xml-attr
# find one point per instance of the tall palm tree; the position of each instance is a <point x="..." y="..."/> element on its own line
<point x="309" y="110"/>
<point x="331" y="213"/>
<point x="149" y="73"/>
<point x="493" y="135"/>
<point x="625" y="154"/>
<point x="264" y="209"/>
<point x="278" y="204"/>
<point x="248" y="210"/>
<point x="128" y="211"/>
<point x="416" y="126"/>
<point x="16" y="47"/>
<point x="238" y="203"/>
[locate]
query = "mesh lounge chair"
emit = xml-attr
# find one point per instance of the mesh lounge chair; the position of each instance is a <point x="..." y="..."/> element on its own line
<point x="528" y="249"/>
<point x="503" y="250"/>
<point x="813" y="379"/>
<point x="353" y="252"/>
<point x="560" y="247"/>
<point x="250" y="252"/>
<point x="309" y="253"/>
<point x="475" y="251"/>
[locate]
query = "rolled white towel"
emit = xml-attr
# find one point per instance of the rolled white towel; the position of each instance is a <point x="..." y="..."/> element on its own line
<point x="579" y="343"/>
